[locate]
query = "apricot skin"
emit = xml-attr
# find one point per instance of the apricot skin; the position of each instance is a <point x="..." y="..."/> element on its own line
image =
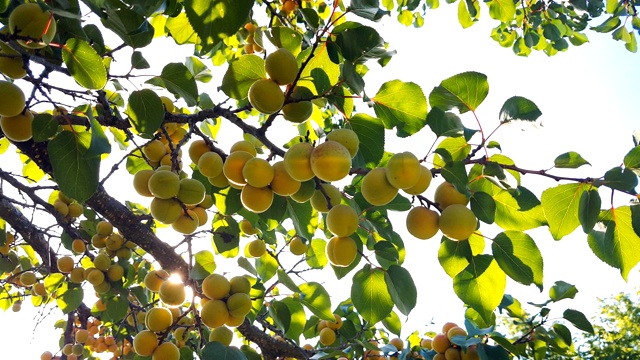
<point x="422" y="222"/>
<point x="330" y="161"/>
<point x="376" y="189"/>
<point x="266" y="96"/>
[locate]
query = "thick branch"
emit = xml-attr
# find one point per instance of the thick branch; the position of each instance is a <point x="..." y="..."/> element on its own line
<point x="271" y="348"/>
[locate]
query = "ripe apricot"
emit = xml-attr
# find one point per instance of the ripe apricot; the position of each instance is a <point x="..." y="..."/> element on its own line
<point x="166" y="351"/>
<point x="330" y="161"/>
<point x="448" y="326"/>
<point x="398" y="343"/>
<point x="17" y="128"/>
<point x="257" y="248"/>
<point x="297" y="246"/>
<point x="76" y="275"/>
<point x="446" y="194"/>
<point x="256" y="200"/>
<point x="239" y="304"/>
<point x="158" y="319"/>
<point x="470" y="354"/>
<point x="297" y="161"/>
<point x="214" y="313"/>
<point x="454" y="331"/>
<point x="166" y="211"/>
<point x="115" y="272"/>
<point x="47" y="355"/>
<point x="426" y="344"/>
<point x="201" y="214"/>
<point x="319" y="199"/>
<point x="154" y="150"/>
<point x="233" y="166"/>
<point x="422" y="222"/>
<point x="257" y="172"/>
<point x="341" y="251"/>
<point x="210" y="164"/>
<point x="191" y="191"/>
<point x="347" y="137"/>
<point x="247" y="228"/>
<point x="219" y="181"/>
<point x="216" y="286"/>
<point x="104" y="228"/>
<point x="243" y="145"/>
<point x="12" y="101"/>
<point x="306" y="191"/>
<point x="114" y="242"/>
<point x="281" y="66"/>
<point x="327" y="336"/>
<point x="239" y="284"/>
<point x="266" y="96"/>
<point x="196" y="149"/>
<point x="221" y="334"/>
<point x="28" y="278"/>
<point x="403" y="170"/>
<point x="11" y="64"/>
<point x="440" y="343"/>
<point x="30" y="20"/>
<point x="283" y="184"/>
<point x="457" y="222"/>
<point x="141" y="182"/>
<point x="78" y="246"/>
<point x="376" y="189"/>
<point x="172" y="293"/>
<point x="452" y="354"/>
<point x="65" y="264"/>
<point x="342" y="220"/>
<point x="336" y="324"/>
<point x="94" y="276"/>
<point x="298" y="111"/>
<point x="164" y="184"/>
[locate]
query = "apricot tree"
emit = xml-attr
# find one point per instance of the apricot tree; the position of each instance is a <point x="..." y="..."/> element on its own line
<point x="283" y="208"/>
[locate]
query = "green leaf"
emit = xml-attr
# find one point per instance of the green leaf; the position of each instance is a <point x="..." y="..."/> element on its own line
<point x="117" y="307"/>
<point x="359" y="44"/>
<point x="84" y="64"/>
<point x="519" y="257"/>
<point x="216" y="351"/>
<point x="444" y="123"/>
<point x="519" y="108"/>
<point x="464" y="14"/>
<point x="316" y="256"/>
<point x="401" y="105"/>
<point x="316" y="299"/>
<point x="77" y="174"/>
<point x="266" y="266"/>
<point x="570" y="160"/>
<point x="204" y="266"/>
<point x="198" y="69"/>
<point x="632" y="43"/>
<point x="70" y="299"/>
<point x="503" y="10"/>
<point x="181" y="30"/>
<point x="392" y="323"/>
<point x="53" y="281"/>
<point x="298" y="318"/>
<point x="216" y="20"/>
<point x="464" y="91"/>
<point x="578" y="320"/>
<point x="283" y="37"/>
<point x="241" y="74"/>
<point x="483" y="206"/>
<point x="286" y="280"/>
<point x="99" y="142"/>
<point x="562" y="290"/>
<point x="618" y="245"/>
<point x="481" y="285"/>
<point x="368" y="9"/>
<point x="371" y="135"/>
<point x="401" y="288"/>
<point x="226" y="236"/>
<point x="608" y="25"/>
<point x="451" y="149"/>
<point x="177" y="78"/>
<point x="372" y="304"/>
<point x="589" y="209"/>
<point x="138" y="61"/>
<point x="320" y="74"/>
<point x="304" y="218"/>
<point x="146" y="111"/>
<point x="131" y="27"/>
<point x="621" y="179"/>
<point x="44" y="126"/>
<point x="561" y="205"/>
<point x="631" y="160"/>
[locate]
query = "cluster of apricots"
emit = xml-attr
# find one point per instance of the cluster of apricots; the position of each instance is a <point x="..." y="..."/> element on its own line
<point x="251" y="47"/>
<point x="68" y="207"/>
<point x="445" y="347"/>
<point x="327" y="330"/>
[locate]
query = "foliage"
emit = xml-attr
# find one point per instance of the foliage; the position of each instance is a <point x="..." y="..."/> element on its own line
<point x="87" y="240"/>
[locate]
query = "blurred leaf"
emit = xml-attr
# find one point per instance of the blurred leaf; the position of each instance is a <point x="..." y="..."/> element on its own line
<point x="304" y="218"/>
<point x="69" y="299"/>
<point x="621" y="179"/>
<point x="216" y="351"/>
<point x="589" y="209"/>
<point x="370" y="132"/>
<point x="368" y="9"/>
<point x="578" y="320"/>
<point x="44" y="127"/>
<point x="562" y="290"/>
<point x="204" y="265"/>
<point x="216" y="20"/>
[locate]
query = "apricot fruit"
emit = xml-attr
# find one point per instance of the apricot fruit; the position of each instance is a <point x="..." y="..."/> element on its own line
<point x="266" y="96"/>
<point x="221" y="334"/>
<point x="426" y="344"/>
<point x="239" y="304"/>
<point x="452" y="354"/>
<point x="12" y="101"/>
<point x="257" y="248"/>
<point x="376" y="189"/>
<point x="94" y="276"/>
<point x="454" y="331"/>
<point x="327" y="336"/>
<point x="297" y="161"/>
<point x="78" y="246"/>
<point x="347" y="137"/>
<point x="247" y="228"/>
<point x="164" y="184"/>
<point x="423" y="182"/>
<point x="172" y="293"/>
<point x="166" y="211"/>
<point x="219" y="181"/>
<point x="398" y="343"/>
<point x="446" y="194"/>
<point x="201" y="215"/>
<point x="214" y="313"/>
<point x="422" y="222"/>
<point x="403" y="170"/>
<point x="210" y="164"/>
<point x="141" y="182"/>
<point x="470" y="354"/>
<point x="191" y="191"/>
<point x="11" y="64"/>
<point x="341" y="251"/>
<point x="102" y="262"/>
<point x="104" y="228"/>
<point x="166" y="351"/>
<point x="336" y="324"/>
<point x="283" y="184"/>
<point x="257" y="172"/>
<point x="30" y="20"/>
<point x="457" y="222"/>
<point x="243" y="145"/>
<point x="297" y="246"/>
<point x="342" y="220"/>
<point x="440" y="343"/>
<point x="65" y="264"/>
<point x="196" y="149"/>
<point x="28" y="278"/>
<point x="233" y="166"/>
<point x="239" y="284"/>
<point x="298" y="111"/>
<point x="330" y="161"/>
<point x="281" y="66"/>
<point x="319" y="199"/>
<point x="216" y="286"/>
<point x="154" y="150"/>
<point x="158" y="319"/>
<point x="256" y="200"/>
<point x="17" y="128"/>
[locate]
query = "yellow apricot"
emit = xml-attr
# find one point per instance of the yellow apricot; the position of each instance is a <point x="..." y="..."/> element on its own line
<point x="398" y="343"/>
<point x="470" y="354"/>
<point x="219" y="181"/>
<point x="197" y="149"/>
<point x="330" y="161"/>
<point x="257" y="248"/>
<point x="341" y="251"/>
<point x="12" y="101"/>
<point x="457" y="222"/>
<point x="221" y="334"/>
<point x="426" y="344"/>
<point x="191" y="191"/>
<point x="243" y="145"/>
<point x="266" y="96"/>
<point x="164" y="184"/>
<point x="154" y="279"/>
<point x="376" y="189"/>
<point x="298" y="111"/>
<point x="336" y="324"/>
<point x="454" y="331"/>
<point x="172" y="293"/>
<point x="30" y="20"/>
<point x="214" y="313"/>
<point x="154" y="150"/>
<point x="281" y="66"/>
<point x="297" y="246"/>
<point x="347" y="137"/>
<point x="448" y="326"/>
<point x="256" y="200"/>
<point x="440" y="343"/>
<point x="166" y="211"/>
<point x="158" y="319"/>
<point x="327" y="336"/>
<point x="104" y="228"/>
<point x="233" y="166"/>
<point x="94" y="276"/>
<point x="81" y="336"/>
<point x="403" y="170"/>
<point x="115" y="272"/>
<point x="114" y="242"/>
<point x="452" y="354"/>
<point x="28" y="278"/>
<point x="166" y="351"/>
<point x="247" y="228"/>
<point x="257" y="172"/>
<point x="446" y="194"/>
<point x="297" y="161"/>
<point x="423" y="182"/>
<point x="239" y="284"/>
<point x="19" y="127"/>
<point x="234" y="321"/>
<point x="319" y="198"/>
<point x="342" y="220"/>
<point x="76" y="275"/>
<point x="239" y="304"/>
<point x="216" y="286"/>
<point x="141" y="182"/>
<point x="422" y="222"/>
<point x="201" y="214"/>
<point x="65" y="264"/>
<point x="210" y="164"/>
<point x="283" y="184"/>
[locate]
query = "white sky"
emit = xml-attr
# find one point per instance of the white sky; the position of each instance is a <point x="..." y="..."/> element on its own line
<point x="587" y="96"/>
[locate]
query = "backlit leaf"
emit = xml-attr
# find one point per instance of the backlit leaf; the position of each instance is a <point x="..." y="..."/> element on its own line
<point x="316" y="299"/>
<point x="177" y="78"/>
<point x="464" y="91"/>
<point x="84" y="64"/>
<point x="519" y="257"/>
<point x="241" y="74"/>
<point x="570" y="160"/>
<point x="216" y="20"/>
<point x="76" y="173"/>
<point x="578" y="320"/>
<point x="371" y="135"/>
<point x="519" y="108"/>
<point x="372" y="303"/>
<point x="401" y="288"/>
<point x="401" y="105"/>
<point x="481" y="285"/>
<point x="561" y="205"/>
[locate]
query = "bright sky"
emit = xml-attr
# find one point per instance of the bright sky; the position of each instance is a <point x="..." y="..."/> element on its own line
<point x="587" y="96"/>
